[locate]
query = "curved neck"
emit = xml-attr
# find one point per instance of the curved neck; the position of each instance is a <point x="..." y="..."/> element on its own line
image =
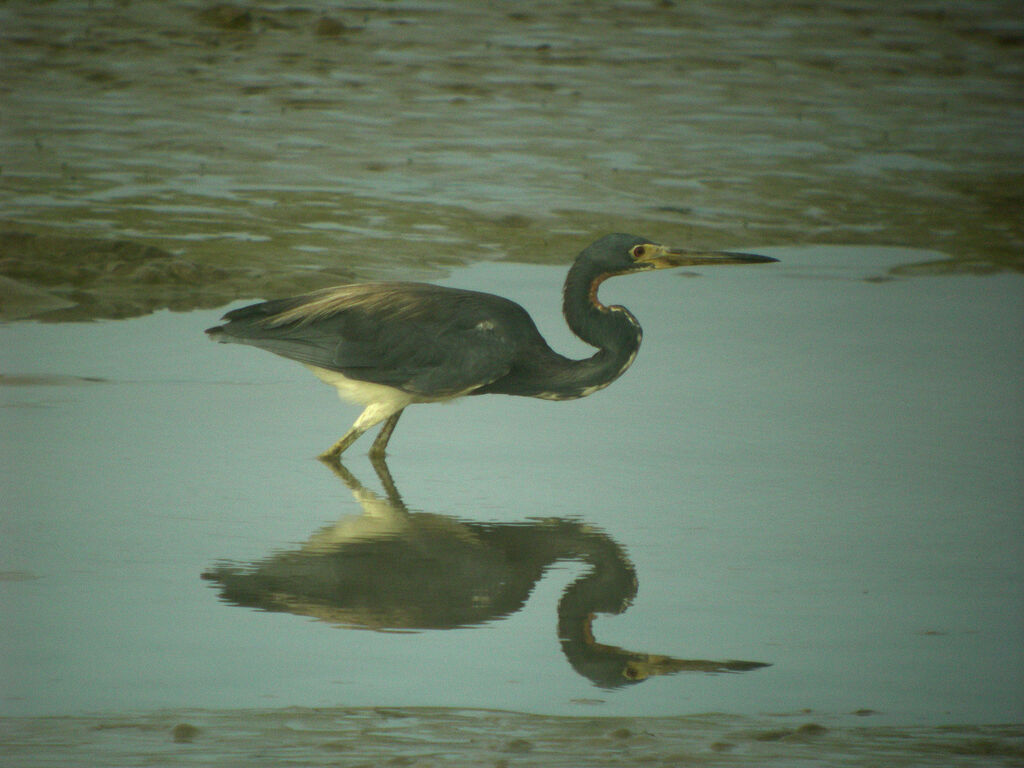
<point x="541" y="372"/>
<point x="613" y="330"/>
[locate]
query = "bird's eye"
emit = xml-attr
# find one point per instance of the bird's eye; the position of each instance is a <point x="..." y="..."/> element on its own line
<point x="638" y="252"/>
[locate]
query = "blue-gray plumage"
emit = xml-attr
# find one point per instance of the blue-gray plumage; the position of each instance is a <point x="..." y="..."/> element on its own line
<point x="388" y="345"/>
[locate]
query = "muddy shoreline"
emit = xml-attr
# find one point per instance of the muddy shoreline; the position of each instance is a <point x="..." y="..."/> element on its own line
<point x="266" y="149"/>
<point x="458" y="737"/>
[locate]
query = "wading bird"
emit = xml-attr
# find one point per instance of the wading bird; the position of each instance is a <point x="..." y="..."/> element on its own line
<point x="389" y="345"/>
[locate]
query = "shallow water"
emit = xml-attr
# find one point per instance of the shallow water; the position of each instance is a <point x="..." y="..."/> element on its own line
<point x="806" y="468"/>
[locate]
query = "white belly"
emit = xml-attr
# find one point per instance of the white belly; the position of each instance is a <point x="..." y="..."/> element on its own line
<point x="380" y="400"/>
<point x="364" y="392"/>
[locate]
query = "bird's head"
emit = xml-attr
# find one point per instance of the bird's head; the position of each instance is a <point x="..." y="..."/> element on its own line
<point x="621" y="254"/>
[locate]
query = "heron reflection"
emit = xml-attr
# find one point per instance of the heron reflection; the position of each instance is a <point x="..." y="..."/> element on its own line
<point x="388" y="569"/>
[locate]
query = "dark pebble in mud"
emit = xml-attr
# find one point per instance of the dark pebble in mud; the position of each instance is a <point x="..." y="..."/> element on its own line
<point x="328" y="27"/>
<point x="227" y="16"/>
<point x="805" y="731"/>
<point x="184" y="733"/>
<point x="518" y="746"/>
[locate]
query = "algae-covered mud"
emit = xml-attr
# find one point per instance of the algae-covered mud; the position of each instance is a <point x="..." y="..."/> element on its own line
<point x="260" y="144"/>
<point x="433" y="737"/>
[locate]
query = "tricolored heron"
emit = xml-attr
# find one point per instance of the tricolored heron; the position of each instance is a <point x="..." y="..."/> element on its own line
<point x="388" y="345"/>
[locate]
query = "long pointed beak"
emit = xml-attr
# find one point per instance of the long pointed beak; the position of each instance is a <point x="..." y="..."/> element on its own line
<point x="640" y="666"/>
<point x="664" y="258"/>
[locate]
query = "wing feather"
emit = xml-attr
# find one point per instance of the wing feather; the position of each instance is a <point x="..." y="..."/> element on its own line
<point x="424" y="339"/>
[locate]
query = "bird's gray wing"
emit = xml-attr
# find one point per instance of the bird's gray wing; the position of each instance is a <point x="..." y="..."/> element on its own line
<point x="422" y="339"/>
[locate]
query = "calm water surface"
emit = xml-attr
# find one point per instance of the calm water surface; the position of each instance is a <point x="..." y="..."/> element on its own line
<point x="807" y="468"/>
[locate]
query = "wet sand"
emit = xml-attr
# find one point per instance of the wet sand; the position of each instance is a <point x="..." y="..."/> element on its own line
<point x="457" y="737"/>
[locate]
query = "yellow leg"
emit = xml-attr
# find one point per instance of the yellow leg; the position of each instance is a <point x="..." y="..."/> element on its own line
<point x="381" y="443"/>
<point x="335" y="451"/>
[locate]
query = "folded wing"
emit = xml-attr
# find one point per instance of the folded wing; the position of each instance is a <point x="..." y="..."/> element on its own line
<point x="424" y="339"/>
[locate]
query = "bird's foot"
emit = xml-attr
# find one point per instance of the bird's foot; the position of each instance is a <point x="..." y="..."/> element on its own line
<point x="334" y="452"/>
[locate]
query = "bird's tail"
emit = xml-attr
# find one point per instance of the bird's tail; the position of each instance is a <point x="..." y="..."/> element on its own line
<point x="217" y="334"/>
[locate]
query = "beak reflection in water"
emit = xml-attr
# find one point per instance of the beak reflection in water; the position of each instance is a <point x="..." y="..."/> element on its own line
<point x="389" y="569"/>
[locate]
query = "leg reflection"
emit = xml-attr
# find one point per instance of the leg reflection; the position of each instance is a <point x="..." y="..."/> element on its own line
<point x="387" y="568"/>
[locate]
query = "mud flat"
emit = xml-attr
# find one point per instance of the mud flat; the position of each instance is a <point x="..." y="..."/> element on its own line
<point x="453" y="737"/>
<point x="257" y="145"/>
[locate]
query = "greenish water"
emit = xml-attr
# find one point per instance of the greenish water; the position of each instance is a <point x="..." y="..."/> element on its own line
<point x="806" y="469"/>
